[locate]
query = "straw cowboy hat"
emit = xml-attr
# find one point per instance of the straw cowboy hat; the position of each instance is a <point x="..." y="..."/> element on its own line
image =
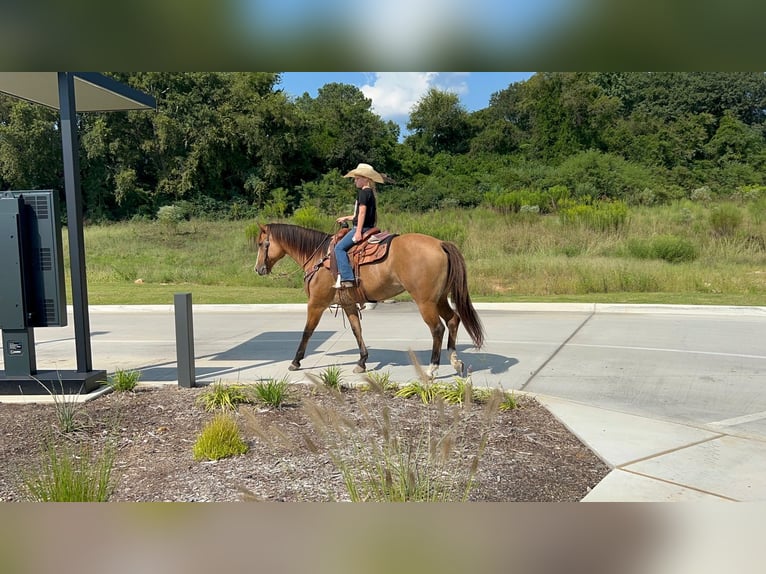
<point x="366" y="170"/>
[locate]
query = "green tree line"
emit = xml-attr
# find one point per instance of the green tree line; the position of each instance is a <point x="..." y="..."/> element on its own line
<point x="233" y="144"/>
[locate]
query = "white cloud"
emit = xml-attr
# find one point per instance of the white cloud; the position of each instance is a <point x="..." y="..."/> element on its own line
<point x="394" y="94"/>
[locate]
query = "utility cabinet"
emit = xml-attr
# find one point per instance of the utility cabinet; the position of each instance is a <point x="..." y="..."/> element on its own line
<point x="32" y="290"/>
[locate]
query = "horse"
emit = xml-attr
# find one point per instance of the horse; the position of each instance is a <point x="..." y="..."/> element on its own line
<point x="429" y="269"/>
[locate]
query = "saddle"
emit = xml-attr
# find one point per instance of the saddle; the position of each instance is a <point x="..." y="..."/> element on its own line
<point x="372" y="248"/>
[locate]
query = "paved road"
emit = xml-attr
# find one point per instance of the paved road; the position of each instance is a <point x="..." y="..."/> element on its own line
<point x="672" y="397"/>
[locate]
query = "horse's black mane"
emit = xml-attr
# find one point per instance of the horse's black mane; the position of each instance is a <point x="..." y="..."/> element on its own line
<point x="306" y="241"/>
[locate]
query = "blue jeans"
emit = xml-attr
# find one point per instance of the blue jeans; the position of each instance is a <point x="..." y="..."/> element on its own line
<point x="341" y="254"/>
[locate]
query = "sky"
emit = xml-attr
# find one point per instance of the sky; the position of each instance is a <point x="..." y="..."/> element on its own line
<point x="393" y="94"/>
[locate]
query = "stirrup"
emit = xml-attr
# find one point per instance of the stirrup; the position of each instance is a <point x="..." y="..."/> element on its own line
<point x="337" y="283"/>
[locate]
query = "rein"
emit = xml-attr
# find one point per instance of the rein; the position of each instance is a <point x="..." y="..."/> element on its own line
<point x="307" y="274"/>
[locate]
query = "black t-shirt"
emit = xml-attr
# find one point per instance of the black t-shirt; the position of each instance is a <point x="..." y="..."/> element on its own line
<point x="366" y="196"/>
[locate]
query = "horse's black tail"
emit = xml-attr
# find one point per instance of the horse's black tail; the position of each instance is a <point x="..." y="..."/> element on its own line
<point x="457" y="284"/>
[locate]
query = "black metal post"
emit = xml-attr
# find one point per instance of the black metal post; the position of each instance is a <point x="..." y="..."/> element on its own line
<point x="70" y="147"/>
<point x="184" y="339"/>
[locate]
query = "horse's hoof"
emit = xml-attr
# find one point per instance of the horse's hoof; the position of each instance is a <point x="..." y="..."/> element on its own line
<point x="359" y="369"/>
<point x="294" y="367"/>
<point x="432" y="370"/>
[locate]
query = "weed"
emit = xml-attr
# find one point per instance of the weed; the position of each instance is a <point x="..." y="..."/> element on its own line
<point x="72" y="475"/>
<point x="124" y="380"/>
<point x="271" y="392"/>
<point x="222" y="396"/>
<point x="219" y="439"/>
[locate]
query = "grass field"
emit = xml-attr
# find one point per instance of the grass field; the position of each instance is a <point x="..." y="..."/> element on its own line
<point x="685" y="253"/>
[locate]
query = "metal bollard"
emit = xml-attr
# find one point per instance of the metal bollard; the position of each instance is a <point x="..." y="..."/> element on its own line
<point x="184" y="339"/>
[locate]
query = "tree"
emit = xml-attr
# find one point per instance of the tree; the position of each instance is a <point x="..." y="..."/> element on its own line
<point x="439" y="123"/>
<point x="30" y="146"/>
<point x="344" y="131"/>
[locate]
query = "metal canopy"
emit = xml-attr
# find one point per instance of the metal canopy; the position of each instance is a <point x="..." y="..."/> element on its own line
<point x="94" y="92"/>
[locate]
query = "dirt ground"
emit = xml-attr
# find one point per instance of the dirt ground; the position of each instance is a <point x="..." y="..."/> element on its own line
<point x="529" y="455"/>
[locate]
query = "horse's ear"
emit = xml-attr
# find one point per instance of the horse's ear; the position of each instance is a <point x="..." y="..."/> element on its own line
<point x="262" y="228"/>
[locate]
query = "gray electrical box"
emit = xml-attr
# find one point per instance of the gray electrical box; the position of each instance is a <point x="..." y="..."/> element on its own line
<point x="38" y="287"/>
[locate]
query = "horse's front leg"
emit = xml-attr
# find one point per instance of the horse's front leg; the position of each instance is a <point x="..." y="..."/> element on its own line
<point x="356" y="327"/>
<point x="313" y="315"/>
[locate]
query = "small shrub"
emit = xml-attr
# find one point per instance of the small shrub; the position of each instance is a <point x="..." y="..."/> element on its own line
<point x="171" y="215"/>
<point x="308" y="216"/>
<point x="666" y="247"/>
<point x="599" y="216"/>
<point x="701" y="195"/>
<point x="124" y="380"/>
<point x="725" y="219"/>
<point x="69" y="475"/>
<point x="221" y="396"/>
<point x="757" y="210"/>
<point x="219" y="439"/>
<point x="271" y="393"/>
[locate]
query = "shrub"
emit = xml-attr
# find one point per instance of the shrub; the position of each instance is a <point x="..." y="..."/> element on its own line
<point x="309" y="216"/>
<point x="171" y="215"/>
<point x="666" y="247"/>
<point x="599" y="216"/>
<point x="725" y="219"/>
<point x="219" y="439"/>
<point x="757" y="210"/>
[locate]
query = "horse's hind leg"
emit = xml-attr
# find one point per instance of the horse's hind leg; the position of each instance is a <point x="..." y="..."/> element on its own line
<point x="356" y="327"/>
<point x="314" y="313"/>
<point x="430" y="313"/>
<point x="452" y="320"/>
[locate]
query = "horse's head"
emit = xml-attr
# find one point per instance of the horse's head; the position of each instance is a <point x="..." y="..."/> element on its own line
<point x="269" y="251"/>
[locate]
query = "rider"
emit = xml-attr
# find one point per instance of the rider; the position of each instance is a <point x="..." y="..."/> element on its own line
<point x="364" y="218"/>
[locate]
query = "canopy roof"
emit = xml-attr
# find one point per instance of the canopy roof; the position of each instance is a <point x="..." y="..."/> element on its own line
<point x="94" y="92"/>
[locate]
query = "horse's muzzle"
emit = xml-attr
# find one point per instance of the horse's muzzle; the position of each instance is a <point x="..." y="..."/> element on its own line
<point x="261" y="270"/>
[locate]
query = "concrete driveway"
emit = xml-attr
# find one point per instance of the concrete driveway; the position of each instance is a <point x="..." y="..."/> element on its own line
<point x="672" y="397"/>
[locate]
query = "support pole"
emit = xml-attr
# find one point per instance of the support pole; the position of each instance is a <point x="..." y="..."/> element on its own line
<point x="70" y="148"/>
<point x="184" y="339"/>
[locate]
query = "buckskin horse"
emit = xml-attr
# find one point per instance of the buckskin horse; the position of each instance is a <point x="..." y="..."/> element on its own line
<point x="429" y="269"/>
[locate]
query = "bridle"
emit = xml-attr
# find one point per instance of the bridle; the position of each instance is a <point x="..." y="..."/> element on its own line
<point x="265" y="246"/>
<point x="308" y="273"/>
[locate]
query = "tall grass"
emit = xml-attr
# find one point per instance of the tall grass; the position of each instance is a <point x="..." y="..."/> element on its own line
<point x="422" y="459"/>
<point x="510" y="256"/>
<point x="70" y="474"/>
